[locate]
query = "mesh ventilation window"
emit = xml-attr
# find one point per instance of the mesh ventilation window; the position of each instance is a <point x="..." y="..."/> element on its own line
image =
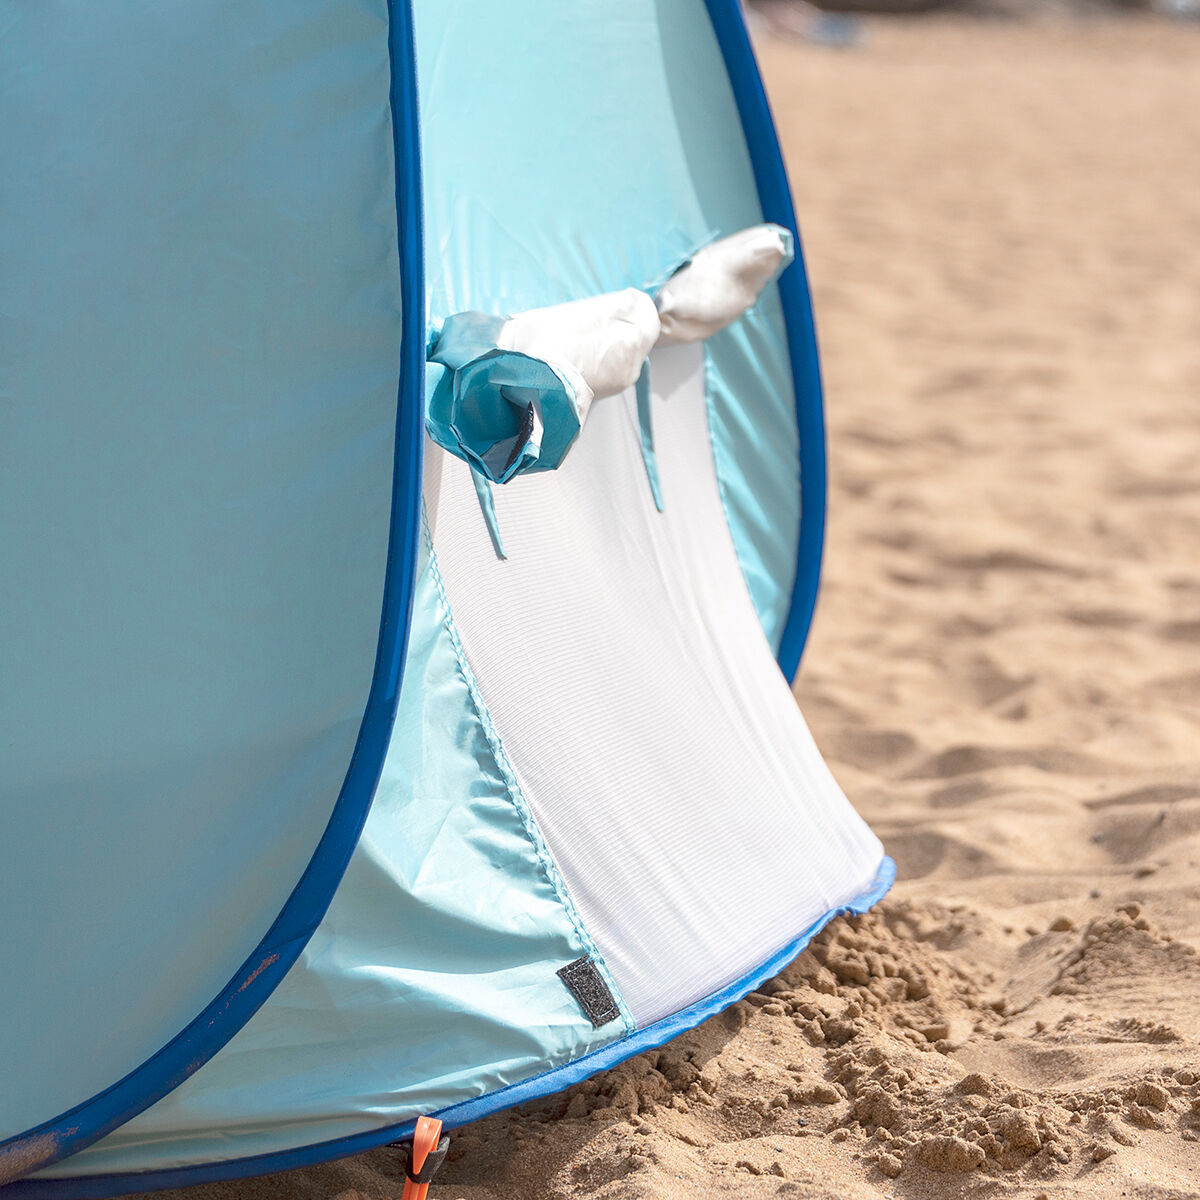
<point x="659" y="747"/>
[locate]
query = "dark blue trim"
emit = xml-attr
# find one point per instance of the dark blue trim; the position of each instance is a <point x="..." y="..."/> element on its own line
<point x="300" y="916"/>
<point x="101" y="1187"/>
<point x="770" y="176"/>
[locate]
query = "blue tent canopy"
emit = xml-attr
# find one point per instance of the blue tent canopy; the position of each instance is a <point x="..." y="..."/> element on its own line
<point x="343" y="783"/>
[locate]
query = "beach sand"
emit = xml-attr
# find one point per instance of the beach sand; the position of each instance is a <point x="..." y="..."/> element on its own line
<point x="1002" y="222"/>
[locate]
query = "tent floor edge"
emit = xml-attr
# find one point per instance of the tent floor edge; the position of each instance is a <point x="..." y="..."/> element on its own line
<point x="104" y="1187"/>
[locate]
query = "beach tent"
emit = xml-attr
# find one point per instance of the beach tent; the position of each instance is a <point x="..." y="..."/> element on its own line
<point x="411" y="502"/>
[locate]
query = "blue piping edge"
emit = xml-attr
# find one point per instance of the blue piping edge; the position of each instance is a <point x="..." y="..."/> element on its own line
<point x="102" y="1187"/>
<point x="261" y="973"/>
<point x="770" y="177"/>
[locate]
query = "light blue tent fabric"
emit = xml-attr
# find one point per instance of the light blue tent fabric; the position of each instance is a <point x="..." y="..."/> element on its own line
<point x="199" y="357"/>
<point x="269" y="879"/>
<point x="443" y="834"/>
<point x="667" y="170"/>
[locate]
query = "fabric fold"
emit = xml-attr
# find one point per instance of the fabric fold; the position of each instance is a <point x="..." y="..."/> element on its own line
<point x="721" y="282"/>
<point x="517" y="389"/>
<point x="502" y="411"/>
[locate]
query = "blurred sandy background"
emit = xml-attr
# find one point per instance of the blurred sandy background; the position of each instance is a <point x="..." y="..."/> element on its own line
<point x="1002" y="222"/>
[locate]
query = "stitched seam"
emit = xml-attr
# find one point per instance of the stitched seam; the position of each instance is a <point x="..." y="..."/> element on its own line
<point x="516" y="795"/>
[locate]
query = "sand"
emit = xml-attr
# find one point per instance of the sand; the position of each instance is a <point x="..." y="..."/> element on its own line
<point x="1003" y="228"/>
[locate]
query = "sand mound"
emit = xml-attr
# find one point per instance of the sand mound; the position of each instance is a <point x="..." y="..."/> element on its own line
<point x="1114" y="952"/>
<point x="852" y="1052"/>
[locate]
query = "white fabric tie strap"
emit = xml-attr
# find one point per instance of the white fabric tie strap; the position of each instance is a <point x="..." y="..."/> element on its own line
<point x="517" y="390"/>
<point x="604" y="341"/>
<point x="711" y="290"/>
<point x="721" y="282"/>
<point x="600" y="341"/>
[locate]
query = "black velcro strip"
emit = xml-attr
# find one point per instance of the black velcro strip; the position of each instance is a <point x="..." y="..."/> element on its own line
<point x="586" y="984"/>
<point x="433" y="1160"/>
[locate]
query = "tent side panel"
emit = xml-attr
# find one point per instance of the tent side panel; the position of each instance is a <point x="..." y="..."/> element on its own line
<point x="602" y="146"/>
<point x="741" y="449"/>
<point x="433" y="975"/>
<point x="200" y="343"/>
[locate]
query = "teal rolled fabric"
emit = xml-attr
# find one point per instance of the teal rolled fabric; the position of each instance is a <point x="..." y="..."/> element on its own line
<point x="502" y="411"/>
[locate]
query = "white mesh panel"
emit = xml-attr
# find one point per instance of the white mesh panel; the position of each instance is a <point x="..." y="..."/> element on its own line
<point x="674" y="780"/>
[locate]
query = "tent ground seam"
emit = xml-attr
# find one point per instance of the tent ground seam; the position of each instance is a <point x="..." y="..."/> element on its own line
<point x="102" y="1187"/>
